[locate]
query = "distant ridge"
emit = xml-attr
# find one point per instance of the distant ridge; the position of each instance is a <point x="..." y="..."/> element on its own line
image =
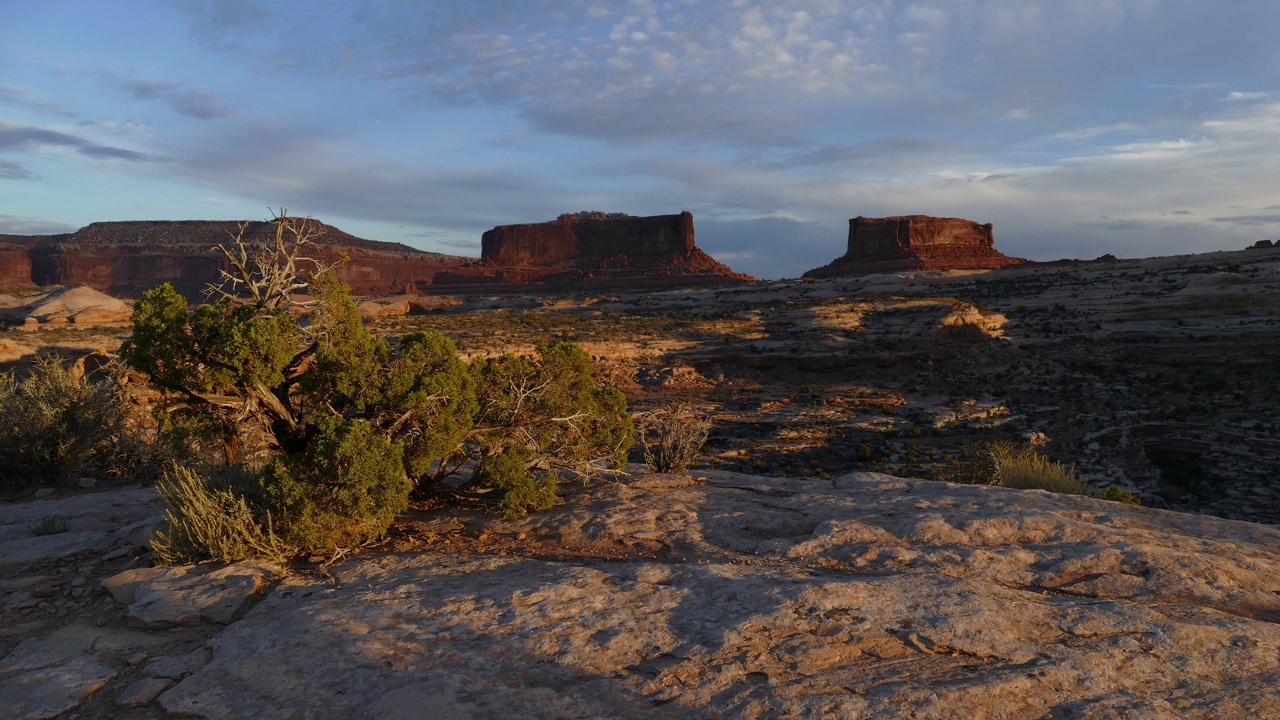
<point x="126" y="258"/>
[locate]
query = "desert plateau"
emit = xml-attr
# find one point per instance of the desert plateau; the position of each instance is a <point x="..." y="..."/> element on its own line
<point x="824" y="556"/>
<point x="841" y="360"/>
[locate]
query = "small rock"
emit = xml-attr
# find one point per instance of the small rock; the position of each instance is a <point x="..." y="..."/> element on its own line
<point x="88" y="482"/>
<point x="177" y="667"/>
<point x="138" y="659"/>
<point x="43" y="493"/>
<point x="123" y="586"/>
<point x="116" y="554"/>
<point x="142" y="692"/>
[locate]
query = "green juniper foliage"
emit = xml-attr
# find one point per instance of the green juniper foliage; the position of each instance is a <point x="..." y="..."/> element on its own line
<point x="353" y="424"/>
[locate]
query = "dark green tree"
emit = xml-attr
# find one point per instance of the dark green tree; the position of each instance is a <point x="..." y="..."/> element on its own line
<point x="353" y="424"/>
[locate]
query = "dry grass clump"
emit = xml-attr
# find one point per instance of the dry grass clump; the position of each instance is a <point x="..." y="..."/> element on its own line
<point x="1016" y="466"/>
<point x="206" y="518"/>
<point x="672" y="439"/>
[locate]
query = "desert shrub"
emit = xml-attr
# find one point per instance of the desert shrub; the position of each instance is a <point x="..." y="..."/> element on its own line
<point x="552" y="410"/>
<point x="48" y="525"/>
<point x="344" y="490"/>
<point x="352" y="424"/>
<point x="1007" y="464"/>
<point x="1115" y="494"/>
<point x="54" y="424"/>
<point x="672" y="439"/>
<point x="207" y="517"/>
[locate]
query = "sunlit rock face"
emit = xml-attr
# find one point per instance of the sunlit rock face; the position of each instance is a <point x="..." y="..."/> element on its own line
<point x="645" y="241"/>
<point x="916" y="242"/>
<point x="592" y="249"/>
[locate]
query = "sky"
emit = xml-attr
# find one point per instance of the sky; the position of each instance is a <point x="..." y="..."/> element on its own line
<point x="1076" y="127"/>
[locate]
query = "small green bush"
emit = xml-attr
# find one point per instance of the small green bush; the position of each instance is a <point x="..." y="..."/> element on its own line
<point x="345" y="490"/>
<point x="49" y="525"/>
<point x="1115" y="494"/>
<point x="208" y="517"/>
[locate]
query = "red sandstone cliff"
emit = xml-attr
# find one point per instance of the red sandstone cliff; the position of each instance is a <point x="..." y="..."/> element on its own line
<point x="591" y="249"/>
<point x="916" y="242"/>
<point x="126" y="258"/>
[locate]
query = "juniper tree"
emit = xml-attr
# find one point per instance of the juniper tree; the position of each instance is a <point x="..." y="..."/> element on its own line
<point x="353" y="423"/>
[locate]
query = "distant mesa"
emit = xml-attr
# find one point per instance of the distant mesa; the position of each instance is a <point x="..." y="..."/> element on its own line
<point x="915" y="242"/>
<point x="1263" y="245"/>
<point x="126" y="258"/>
<point x="591" y="249"/>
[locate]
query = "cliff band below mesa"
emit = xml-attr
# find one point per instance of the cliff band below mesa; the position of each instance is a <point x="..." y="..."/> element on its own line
<point x="592" y="248"/>
<point x="126" y="258"/>
<point x="916" y="242"/>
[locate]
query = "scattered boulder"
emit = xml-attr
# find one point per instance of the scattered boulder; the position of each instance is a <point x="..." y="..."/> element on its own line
<point x="383" y="307"/>
<point x="186" y="595"/>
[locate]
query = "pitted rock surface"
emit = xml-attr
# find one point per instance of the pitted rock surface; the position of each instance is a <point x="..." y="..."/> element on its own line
<point x="866" y="597"/>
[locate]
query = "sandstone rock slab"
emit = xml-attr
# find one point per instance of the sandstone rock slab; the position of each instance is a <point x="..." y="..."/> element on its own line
<point x="93" y="521"/>
<point x="867" y="596"/>
<point x="142" y="692"/>
<point x="43" y="678"/>
<point x="186" y="595"/>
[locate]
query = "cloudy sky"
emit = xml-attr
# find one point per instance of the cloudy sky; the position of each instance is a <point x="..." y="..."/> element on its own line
<point x="1077" y="127"/>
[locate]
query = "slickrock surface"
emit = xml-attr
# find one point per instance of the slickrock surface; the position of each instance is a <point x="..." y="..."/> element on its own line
<point x="863" y="597"/>
<point x="915" y="242"/>
<point x="126" y="258"/>
<point x="80" y="305"/>
<point x="590" y="250"/>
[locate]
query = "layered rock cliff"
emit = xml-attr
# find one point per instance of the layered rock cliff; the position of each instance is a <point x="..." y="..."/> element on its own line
<point x="916" y="242"/>
<point x="592" y="249"/>
<point x="126" y="258"/>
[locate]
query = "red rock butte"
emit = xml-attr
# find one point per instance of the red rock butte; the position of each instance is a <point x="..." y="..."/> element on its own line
<point x="590" y="249"/>
<point x="126" y="258"/>
<point x="916" y="242"/>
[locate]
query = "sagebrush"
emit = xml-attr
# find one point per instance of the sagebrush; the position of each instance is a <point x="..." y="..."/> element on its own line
<point x="55" y="424"/>
<point x="672" y="439"/>
<point x="210" y="518"/>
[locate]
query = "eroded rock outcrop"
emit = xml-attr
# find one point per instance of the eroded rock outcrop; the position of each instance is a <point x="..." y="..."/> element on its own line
<point x="80" y="305"/>
<point x="593" y="249"/>
<point x="868" y="596"/>
<point x="126" y="258"/>
<point x="916" y="242"/>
